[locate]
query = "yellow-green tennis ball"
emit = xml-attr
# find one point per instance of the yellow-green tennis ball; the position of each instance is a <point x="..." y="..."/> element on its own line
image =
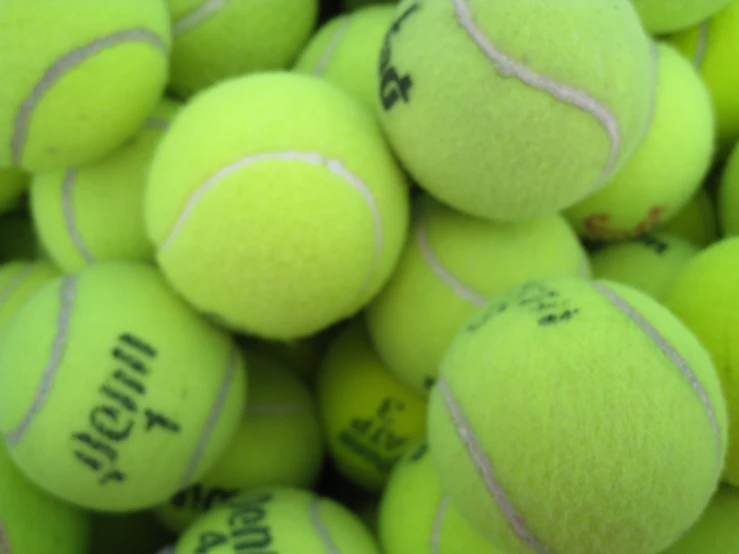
<point x="416" y="516"/>
<point x="696" y="222"/>
<point x="345" y="50"/>
<point x="667" y="168"/>
<point x="712" y="46"/>
<point x="716" y="532"/>
<point x="19" y="280"/>
<point x="113" y="377"/>
<point x="705" y="297"/>
<point x="284" y="520"/>
<point x="370" y="418"/>
<point x="509" y="120"/>
<point x="77" y="87"/>
<point x="578" y="416"/>
<point x="289" y="218"/>
<point x="667" y="16"/>
<point x="13" y="183"/>
<point x="279" y="443"/>
<point x="213" y="41"/>
<point x="728" y="196"/>
<point x="452" y="264"/>
<point x="18" y="239"/>
<point x="33" y="522"/>
<point x="649" y="263"/>
<point x="95" y="213"/>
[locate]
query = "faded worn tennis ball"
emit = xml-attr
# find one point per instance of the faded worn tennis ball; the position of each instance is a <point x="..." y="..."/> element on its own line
<point x="213" y="41"/>
<point x="370" y="418"/>
<point x="77" y="87"/>
<point x="279" y="444"/>
<point x="453" y="264"/>
<point x="506" y="119"/>
<point x="34" y="522"/>
<point x="564" y="397"/>
<point x="113" y="377"/>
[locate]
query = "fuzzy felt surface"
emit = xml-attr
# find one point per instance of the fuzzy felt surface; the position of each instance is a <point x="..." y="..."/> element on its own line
<point x="667" y="16"/>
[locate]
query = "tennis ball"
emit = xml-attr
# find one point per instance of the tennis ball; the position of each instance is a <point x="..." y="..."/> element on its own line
<point x="452" y="264"/>
<point x="508" y="120"/>
<point x="716" y="531"/>
<point x="705" y="297"/>
<point x="13" y="183"/>
<point x="33" y="522"/>
<point x="18" y="238"/>
<point x="110" y="375"/>
<point x="370" y="418"/>
<point x="217" y="40"/>
<point x="667" y="169"/>
<point x="19" y="280"/>
<point x="345" y="50"/>
<point x="416" y="517"/>
<point x="667" y="16"/>
<point x="696" y="222"/>
<point x="649" y="263"/>
<point x="712" y="46"/>
<point x="279" y="443"/>
<point x="291" y="220"/>
<point x="728" y="196"/>
<point x="95" y="213"/>
<point x="284" y="520"/>
<point x="77" y="88"/>
<point x="578" y="416"/>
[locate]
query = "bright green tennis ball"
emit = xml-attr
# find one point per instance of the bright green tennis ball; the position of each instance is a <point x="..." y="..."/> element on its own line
<point x="453" y="264"/>
<point x="345" y="50"/>
<point x="649" y="263"/>
<point x="728" y="196"/>
<point x="712" y="46"/>
<point x="284" y="520"/>
<point x="716" y="532"/>
<point x="96" y="212"/>
<point x="370" y="418"/>
<point x="416" y="516"/>
<point x="578" y="416"/>
<point x="289" y="218"/>
<point x="77" y="87"/>
<point x="508" y="119"/>
<point x="696" y="222"/>
<point x="19" y="280"/>
<point x="667" y="168"/>
<point x="216" y="40"/>
<point x="705" y="296"/>
<point x="279" y="443"/>
<point x="33" y="522"/>
<point x="114" y="378"/>
<point x="667" y="16"/>
<point x="13" y="183"/>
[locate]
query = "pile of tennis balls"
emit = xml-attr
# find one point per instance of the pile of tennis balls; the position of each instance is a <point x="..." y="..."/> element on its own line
<point x="356" y="277"/>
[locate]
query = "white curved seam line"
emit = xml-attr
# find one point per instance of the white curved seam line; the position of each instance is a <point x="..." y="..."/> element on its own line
<point x="322" y="530"/>
<point x="5" y="547"/>
<point x="458" y="287"/>
<point x="485" y="468"/>
<point x="206" y="10"/>
<point x="276" y="410"/>
<point x="61" y="67"/>
<point x="313" y="158"/>
<point x="156" y="124"/>
<point x="508" y="67"/>
<point x="701" y="46"/>
<point x="69" y="220"/>
<point x="210" y="424"/>
<point x="654" y="52"/>
<point x="332" y="46"/>
<point x="67" y="292"/>
<point x="438" y="522"/>
<point x="673" y="356"/>
<point x="15" y="282"/>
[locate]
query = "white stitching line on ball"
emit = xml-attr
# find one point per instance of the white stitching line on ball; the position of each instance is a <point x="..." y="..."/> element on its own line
<point x="332" y="46"/>
<point x="438" y="522"/>
<point x="64" y="65"/>
<point x="69" y="220"/>
<point x="315" y="517"/>
<point x="206" y="10"/>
